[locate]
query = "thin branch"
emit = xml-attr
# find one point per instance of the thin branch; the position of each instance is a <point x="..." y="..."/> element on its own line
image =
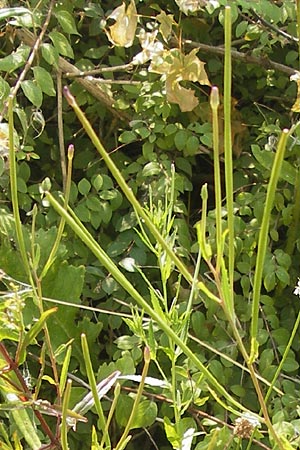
<point x="60" y="126"/>
<point x="273" y="28"/>
<point x="103" y="81"/>
<point x="123" y="68"/>
<point x="36" y="45"/>
<point x="264" y="62"/>
<point x="65" y="67"/>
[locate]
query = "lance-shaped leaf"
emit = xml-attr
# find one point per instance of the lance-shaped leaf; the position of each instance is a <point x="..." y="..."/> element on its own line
<point x="88" y="400"/>
<point x="122" y="32"/>
<point x="24" y="422"/>
<point x="32" y="334"/>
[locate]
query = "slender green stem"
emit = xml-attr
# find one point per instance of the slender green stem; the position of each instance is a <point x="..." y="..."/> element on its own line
<point x="284" y="356"/>
<point x="93" y="385"/>
<point x="62" y="222"/>
<point x="14" y="190"/>
<point x="136" y="400"/>
<point x="111" y="413"/>
<point x="125" y="188"/>
<point x="228" y="149"/>
<point x="294" y="226"/>
<point x="298" y="27"/>
<point x="263" y="240"/>
<point x="214" y="103"/>
<point x="64" y="370"/>
<point x="64" y="426"/>
<point x="85" y="236"/>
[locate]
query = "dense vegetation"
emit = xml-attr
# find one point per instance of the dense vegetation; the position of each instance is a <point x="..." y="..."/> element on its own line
<point x="149" y="224"/>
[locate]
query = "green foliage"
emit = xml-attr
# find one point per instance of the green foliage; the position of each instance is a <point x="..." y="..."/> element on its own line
<point x="129" y="276"/>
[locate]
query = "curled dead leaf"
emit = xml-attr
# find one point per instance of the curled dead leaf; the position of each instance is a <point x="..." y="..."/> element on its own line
<point x="122" y="32"/>
<point x="176" y="93"/>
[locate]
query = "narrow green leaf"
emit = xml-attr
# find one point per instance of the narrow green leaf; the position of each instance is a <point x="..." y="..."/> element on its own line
<point x="6" y="13"/>
<point x="32" y="334"/>
<point x="25" y="425"/>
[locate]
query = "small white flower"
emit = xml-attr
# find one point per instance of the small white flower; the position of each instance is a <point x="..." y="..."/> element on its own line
<point x="251" y="418"/>
<point x="297" y="288"/>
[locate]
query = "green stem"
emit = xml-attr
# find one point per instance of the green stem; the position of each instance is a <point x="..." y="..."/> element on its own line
<point x="294" y="226"/>
<point x="214" y="103"/>
<point x="64" y="426"/>
<point x="110" y="414"/>
<point x="14" y="190"/>
<point x="85" y="236"/>
<point x="123" y="185"/>
<point x="263" y="240"/>
<point x="62" y="222"/>
<point x="137" y="400"/>
<point x="93" y="385"/>
<point x="228" y="149"/>
<point x="284" y="356"/>
<point x="298" y="27"/>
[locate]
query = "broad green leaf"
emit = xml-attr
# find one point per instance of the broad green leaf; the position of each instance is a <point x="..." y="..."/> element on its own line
<point x="266" y="158"/>
<point x="44" y="80"/>
<point x="127" y="136"/>
<point x="290" y="365"/>
<point x="97" y="181"/>
<point x="283" y="275"/>
<point x="180" y="139"/>
<point x="61" y="44"/>
<point x="171" y="433"/>
<point x="33" y="92"/>
<point x="94" y="204"/>
<point x="6" y="13"/>
<point x="123" y="409"/>
<point x="192" y="146"/>
<point x="270" y="281"/>
<point x="150" y="169"/>
<point x="84" y="186"/>
<point x="122" y="33"/>
<point x="82" y="212"/>
<point x="145" y="415"/>
<point x="15" y="60"/>
<point x="64" y="282"/>
<point x="4" y="90"/>
<point x="66" y="21"/>
<point x="50" y="54"/>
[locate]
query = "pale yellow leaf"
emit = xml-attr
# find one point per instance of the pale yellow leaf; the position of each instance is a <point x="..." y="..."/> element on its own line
<point x="166" y="22"/>
<point x="193" y="68"/>
<point x="185" y="98"/>
<point x="122" y="32"/>
<point x="187" y="6"/>
<point x="152" y="48"/>
<point x="296" y="105"/>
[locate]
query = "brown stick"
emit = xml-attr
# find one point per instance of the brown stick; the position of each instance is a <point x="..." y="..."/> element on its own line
<point x="264" y="62"/>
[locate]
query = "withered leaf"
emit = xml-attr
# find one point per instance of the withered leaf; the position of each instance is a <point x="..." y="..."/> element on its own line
<point x="122" y="32"/>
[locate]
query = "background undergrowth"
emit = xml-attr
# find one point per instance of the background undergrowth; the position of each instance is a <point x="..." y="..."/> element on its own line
<point x="149" y="217"/>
